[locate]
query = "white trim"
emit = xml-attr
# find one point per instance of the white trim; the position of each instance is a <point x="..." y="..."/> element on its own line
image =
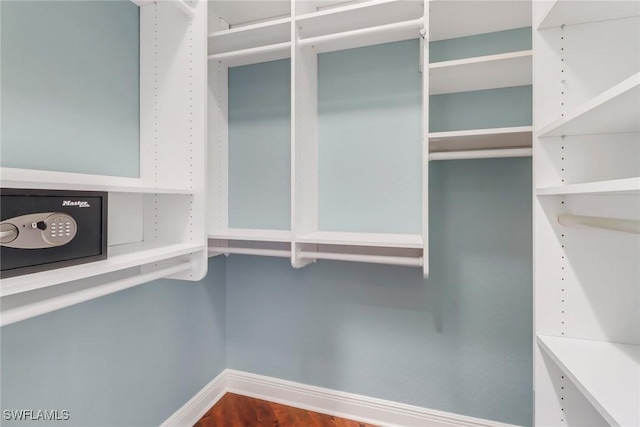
<point x="199" y="404"/>
<point x="337" y="403"/>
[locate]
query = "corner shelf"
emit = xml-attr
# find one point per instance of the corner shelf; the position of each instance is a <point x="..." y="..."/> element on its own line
<point x="603" y="372"/>
<point x="480" y="73"/>
<point x="481" y="139"/>
<point x="386" y="240"/>
<point x="616" y="110"/>
<point x="119" y="258"/>
<point x="468" y="18"/>
<point x="567" y="12"/>
<point x="36" y="179"/>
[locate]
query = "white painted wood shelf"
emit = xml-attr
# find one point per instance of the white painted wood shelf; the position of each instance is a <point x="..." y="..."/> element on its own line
<point x="48" y="180"/>
<point x="257" y="235"/>
<point x="608" y="374"/>
<point x="357" y="16"/>
<point x="387" y="240"/>
<point x="616" y="186"/>
<point x="267" y="33"/>
<point x="481" y="139"/>
<point x="571" y="12"/>
<point x="119" y="258"/>
<point x="461" y="18"/>
<point x="481" y="73"/>
<point x="616" y="110"/>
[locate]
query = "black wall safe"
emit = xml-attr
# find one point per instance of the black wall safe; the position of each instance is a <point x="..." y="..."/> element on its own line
<point x="46" y="229"/>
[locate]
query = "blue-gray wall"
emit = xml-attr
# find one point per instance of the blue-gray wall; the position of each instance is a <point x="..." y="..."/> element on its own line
<point x="127" y="359"/>
<point x="69" y="83"/>
<point x="459" y="341"/>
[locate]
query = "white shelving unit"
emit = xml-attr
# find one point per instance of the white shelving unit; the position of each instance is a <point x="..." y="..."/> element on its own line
<point x="587" y="177"/>
<point x="618" y="376"/>
<point x="254" y="32"/>
<point x="156" y="222"/>
<point x="454" y="19"/>
<point x="244" y="33"/>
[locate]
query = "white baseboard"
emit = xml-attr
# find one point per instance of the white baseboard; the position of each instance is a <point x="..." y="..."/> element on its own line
<point x="199" y="404"/>
<point x="337" y="403"/>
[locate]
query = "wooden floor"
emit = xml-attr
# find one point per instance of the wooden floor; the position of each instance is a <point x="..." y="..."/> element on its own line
<point x="239" y="411"/>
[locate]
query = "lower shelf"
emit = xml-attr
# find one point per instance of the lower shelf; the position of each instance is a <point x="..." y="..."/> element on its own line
<point x="31" y="304"/>
<point x="606" y="373"/>
<point x="119" y="258"/>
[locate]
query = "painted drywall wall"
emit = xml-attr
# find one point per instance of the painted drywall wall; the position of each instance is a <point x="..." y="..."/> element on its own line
<point x="260" y="146"/>
<point x="69" y="82"/>
<point x="459" y="341"/>
<point x="130" y="359"/>
<point x="370" y="139"/>
<point x="480" y="45"/>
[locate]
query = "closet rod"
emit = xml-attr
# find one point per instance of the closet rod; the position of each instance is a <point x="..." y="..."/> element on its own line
<point x="398" y="26"/>
<point x="278" y="47"/>
<point x="481" y="154"/>
<point x="250" y="251"/>
<point x="375" y="259"/>
<point x="625" y="225"/>
<point x="28" y="311"/>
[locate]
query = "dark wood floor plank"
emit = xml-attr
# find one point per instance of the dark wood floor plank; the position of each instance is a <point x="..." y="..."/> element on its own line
<point x="233" y="410"/>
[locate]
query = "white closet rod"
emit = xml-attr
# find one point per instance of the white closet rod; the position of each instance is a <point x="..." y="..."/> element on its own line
<point x="625" y="225"/>
<point x="481" y="154"/>
<point x="278" y="47"/>
<point x="398" y="26"/>
<point x="56" y="303"/>
<point x="375" y="259"/>
<point x="181" y="5"/>
<point x="250" y="251"/>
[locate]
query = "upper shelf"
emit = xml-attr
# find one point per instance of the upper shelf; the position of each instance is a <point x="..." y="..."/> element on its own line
<point x="480" y="73"/>
<point x="480" y="139"/>
<point x="357" y="16"/>
<point x="606" y="373"/>
<point x="250" y="36"/>
<point x="616" y="186"/>
<point x="571" y="12"/>
<point x="387" y="240"/>
<point x="48" y="180"/>
<point x="616" y="110"/>
<point x="452" y="18"/>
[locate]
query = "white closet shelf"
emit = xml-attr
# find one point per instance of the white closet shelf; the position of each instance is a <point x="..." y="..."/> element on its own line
<point x="616" y="110"/>
<point x="181" y="5"/>
<point x="453" y="19"/>
<point x="482" y="154"/>
<point x="387" y="240"/>
<point x="250" y="36"/>
<point x="254" y="55"/>
<point x="617" y="186"/>
<point x="571" y="12"/>
<point x="357" y="16"/>
<point x="481" y="139"/>
<point x="386" y="33"/>
<point x="47" y="180"/>
<point x="606" y="373"/>
<point x="119" y="258"/>
<point x="256" y="235"/>
<point x="480" y="73"/>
